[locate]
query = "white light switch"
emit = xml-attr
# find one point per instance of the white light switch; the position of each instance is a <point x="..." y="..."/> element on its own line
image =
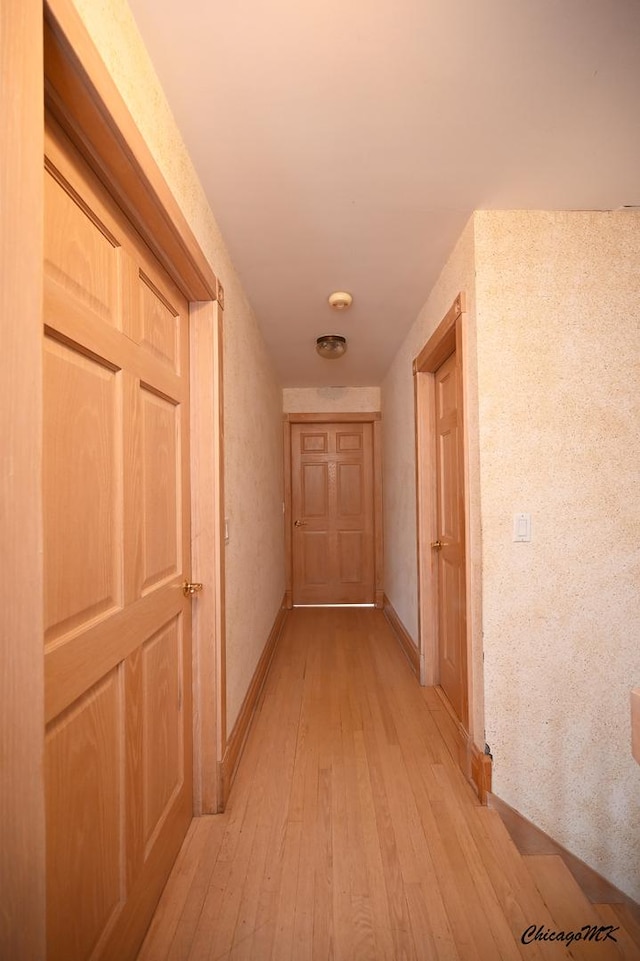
<point x="522" y="527"/>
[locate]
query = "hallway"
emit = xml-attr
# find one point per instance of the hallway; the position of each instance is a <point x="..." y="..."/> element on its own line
<point x="351" y="834"/>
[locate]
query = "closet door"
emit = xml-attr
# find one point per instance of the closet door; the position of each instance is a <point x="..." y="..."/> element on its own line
<point x="116" y="553"/>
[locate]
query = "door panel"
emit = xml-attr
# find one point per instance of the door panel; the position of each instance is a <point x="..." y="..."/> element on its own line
<point x="451" y="558"/>
<point x="163" y="755"/>
<point x="83" y="573"/>
<point x="160" y="334"/>
<point x="350" y="555"/>
<point x="160" y="488"/>
<point x="118" y="627"/>
<point x="81" y="253"/>
<point x="315" y="490"/>
<point x="332" y="501"/>
<point x="85" y="818"/>
<point x="350" y="493"/>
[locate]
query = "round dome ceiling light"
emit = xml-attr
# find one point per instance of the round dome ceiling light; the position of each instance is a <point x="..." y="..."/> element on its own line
<point x="340" y="300"/>
<point x="331" y="346"/>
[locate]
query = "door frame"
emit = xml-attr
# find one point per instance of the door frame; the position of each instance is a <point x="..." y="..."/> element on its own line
<point x="360" y="417"/>
<point x="450" y="335"/>
<point x="82" y="96"/>
<point x="446" y="340"/>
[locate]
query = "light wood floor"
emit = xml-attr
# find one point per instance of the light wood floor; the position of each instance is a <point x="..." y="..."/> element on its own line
<point x="351" y="834"/>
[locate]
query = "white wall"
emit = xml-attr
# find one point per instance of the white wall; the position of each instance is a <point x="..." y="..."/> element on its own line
<point x="253" y="401"/>
<point x="558" y="317"/>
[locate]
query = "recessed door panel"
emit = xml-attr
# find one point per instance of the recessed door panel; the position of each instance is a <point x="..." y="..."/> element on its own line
<point x="85" y="820"/>
<point x="161" y="493"/>
<point x="80" y="252"/>
<point x="162" y="699"/>
<point x="82" y="488"/>
<point x="350" y="555"/>
<point x="315" y="490"/>
<point x="316" y="443"/>
<point x="316" y="557"/>
<point x="350" y="492"/>
<point x="448" y="473"/>
<point x="346" y="442"/>
<point x="160" y="324"/>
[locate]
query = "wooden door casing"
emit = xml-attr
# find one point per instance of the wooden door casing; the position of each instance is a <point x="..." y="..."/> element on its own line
<point x="452" y="660"/>
<point x="332" y="484"/>
<point x="441" y="451"/>
<point x="116" y="550"/>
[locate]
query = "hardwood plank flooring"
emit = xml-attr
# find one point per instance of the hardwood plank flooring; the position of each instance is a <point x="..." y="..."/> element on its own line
<point x="351" y="834"/>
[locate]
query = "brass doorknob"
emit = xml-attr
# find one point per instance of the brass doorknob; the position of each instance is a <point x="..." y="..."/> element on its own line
<point x="299" y="523"/>
<point x="438" y="545"/>
<point x="190" y="588"/>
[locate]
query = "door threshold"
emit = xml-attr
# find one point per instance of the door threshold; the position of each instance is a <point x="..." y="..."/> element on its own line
<point x="334" y="605"/>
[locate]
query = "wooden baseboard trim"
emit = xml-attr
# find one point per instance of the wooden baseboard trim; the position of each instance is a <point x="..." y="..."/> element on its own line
<point x="472" y="761"/>
<point x="405" y="639"/>
<point x="530" y="839"/>
<point x="480" y="765"/>
<point x="238" y="736"/>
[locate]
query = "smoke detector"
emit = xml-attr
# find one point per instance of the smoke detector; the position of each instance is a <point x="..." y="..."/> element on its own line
<point x="331" y="346"/>
<point x="340" y="300"/>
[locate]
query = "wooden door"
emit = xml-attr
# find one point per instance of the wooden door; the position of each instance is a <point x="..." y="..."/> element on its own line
<point x="116" y="551"/>
<point x="332" y="507"/>
<point x="452" y="652"/>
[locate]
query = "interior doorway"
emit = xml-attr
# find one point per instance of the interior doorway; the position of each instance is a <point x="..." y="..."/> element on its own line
<point x="333" y="509"/>
<point x="441" y="514"/>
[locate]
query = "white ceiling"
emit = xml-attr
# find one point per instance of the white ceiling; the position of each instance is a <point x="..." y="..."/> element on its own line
<point x="343" y="144"/>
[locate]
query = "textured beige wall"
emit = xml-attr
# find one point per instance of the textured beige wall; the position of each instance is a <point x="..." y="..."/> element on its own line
<point x="558" y="314"/>
<point x="554" y="320"/>
<point x="334" y="400"/>
<point x="253" y="400"/>
<point x="401" y="575"/>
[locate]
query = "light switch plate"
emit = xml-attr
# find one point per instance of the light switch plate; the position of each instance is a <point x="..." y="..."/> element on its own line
<point x="522" y="528"/>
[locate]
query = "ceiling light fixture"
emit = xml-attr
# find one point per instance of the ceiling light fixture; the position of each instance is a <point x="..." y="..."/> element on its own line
<point x="331" y="346"/>
<point x="340" y="300"/>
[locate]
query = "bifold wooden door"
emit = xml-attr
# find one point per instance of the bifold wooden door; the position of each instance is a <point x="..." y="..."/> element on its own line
<point x="116" y="552"/>
<point x="333" y="513"/>
<point x="450" y="546"/>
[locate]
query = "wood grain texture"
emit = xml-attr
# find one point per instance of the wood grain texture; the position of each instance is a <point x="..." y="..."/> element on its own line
<point x="22" y="818"/>
<point x="350" y="831"/>
<point x="450" y="532"/>
<point x="481" y="771"/>
<point x="531" y="840"/>
<point x="100" y="112"/>
<point x="571" y="910"/>
<point x="116" y="499"/>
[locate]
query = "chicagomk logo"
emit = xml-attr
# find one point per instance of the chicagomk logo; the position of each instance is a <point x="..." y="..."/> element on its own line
<point x="588" y="932"/>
